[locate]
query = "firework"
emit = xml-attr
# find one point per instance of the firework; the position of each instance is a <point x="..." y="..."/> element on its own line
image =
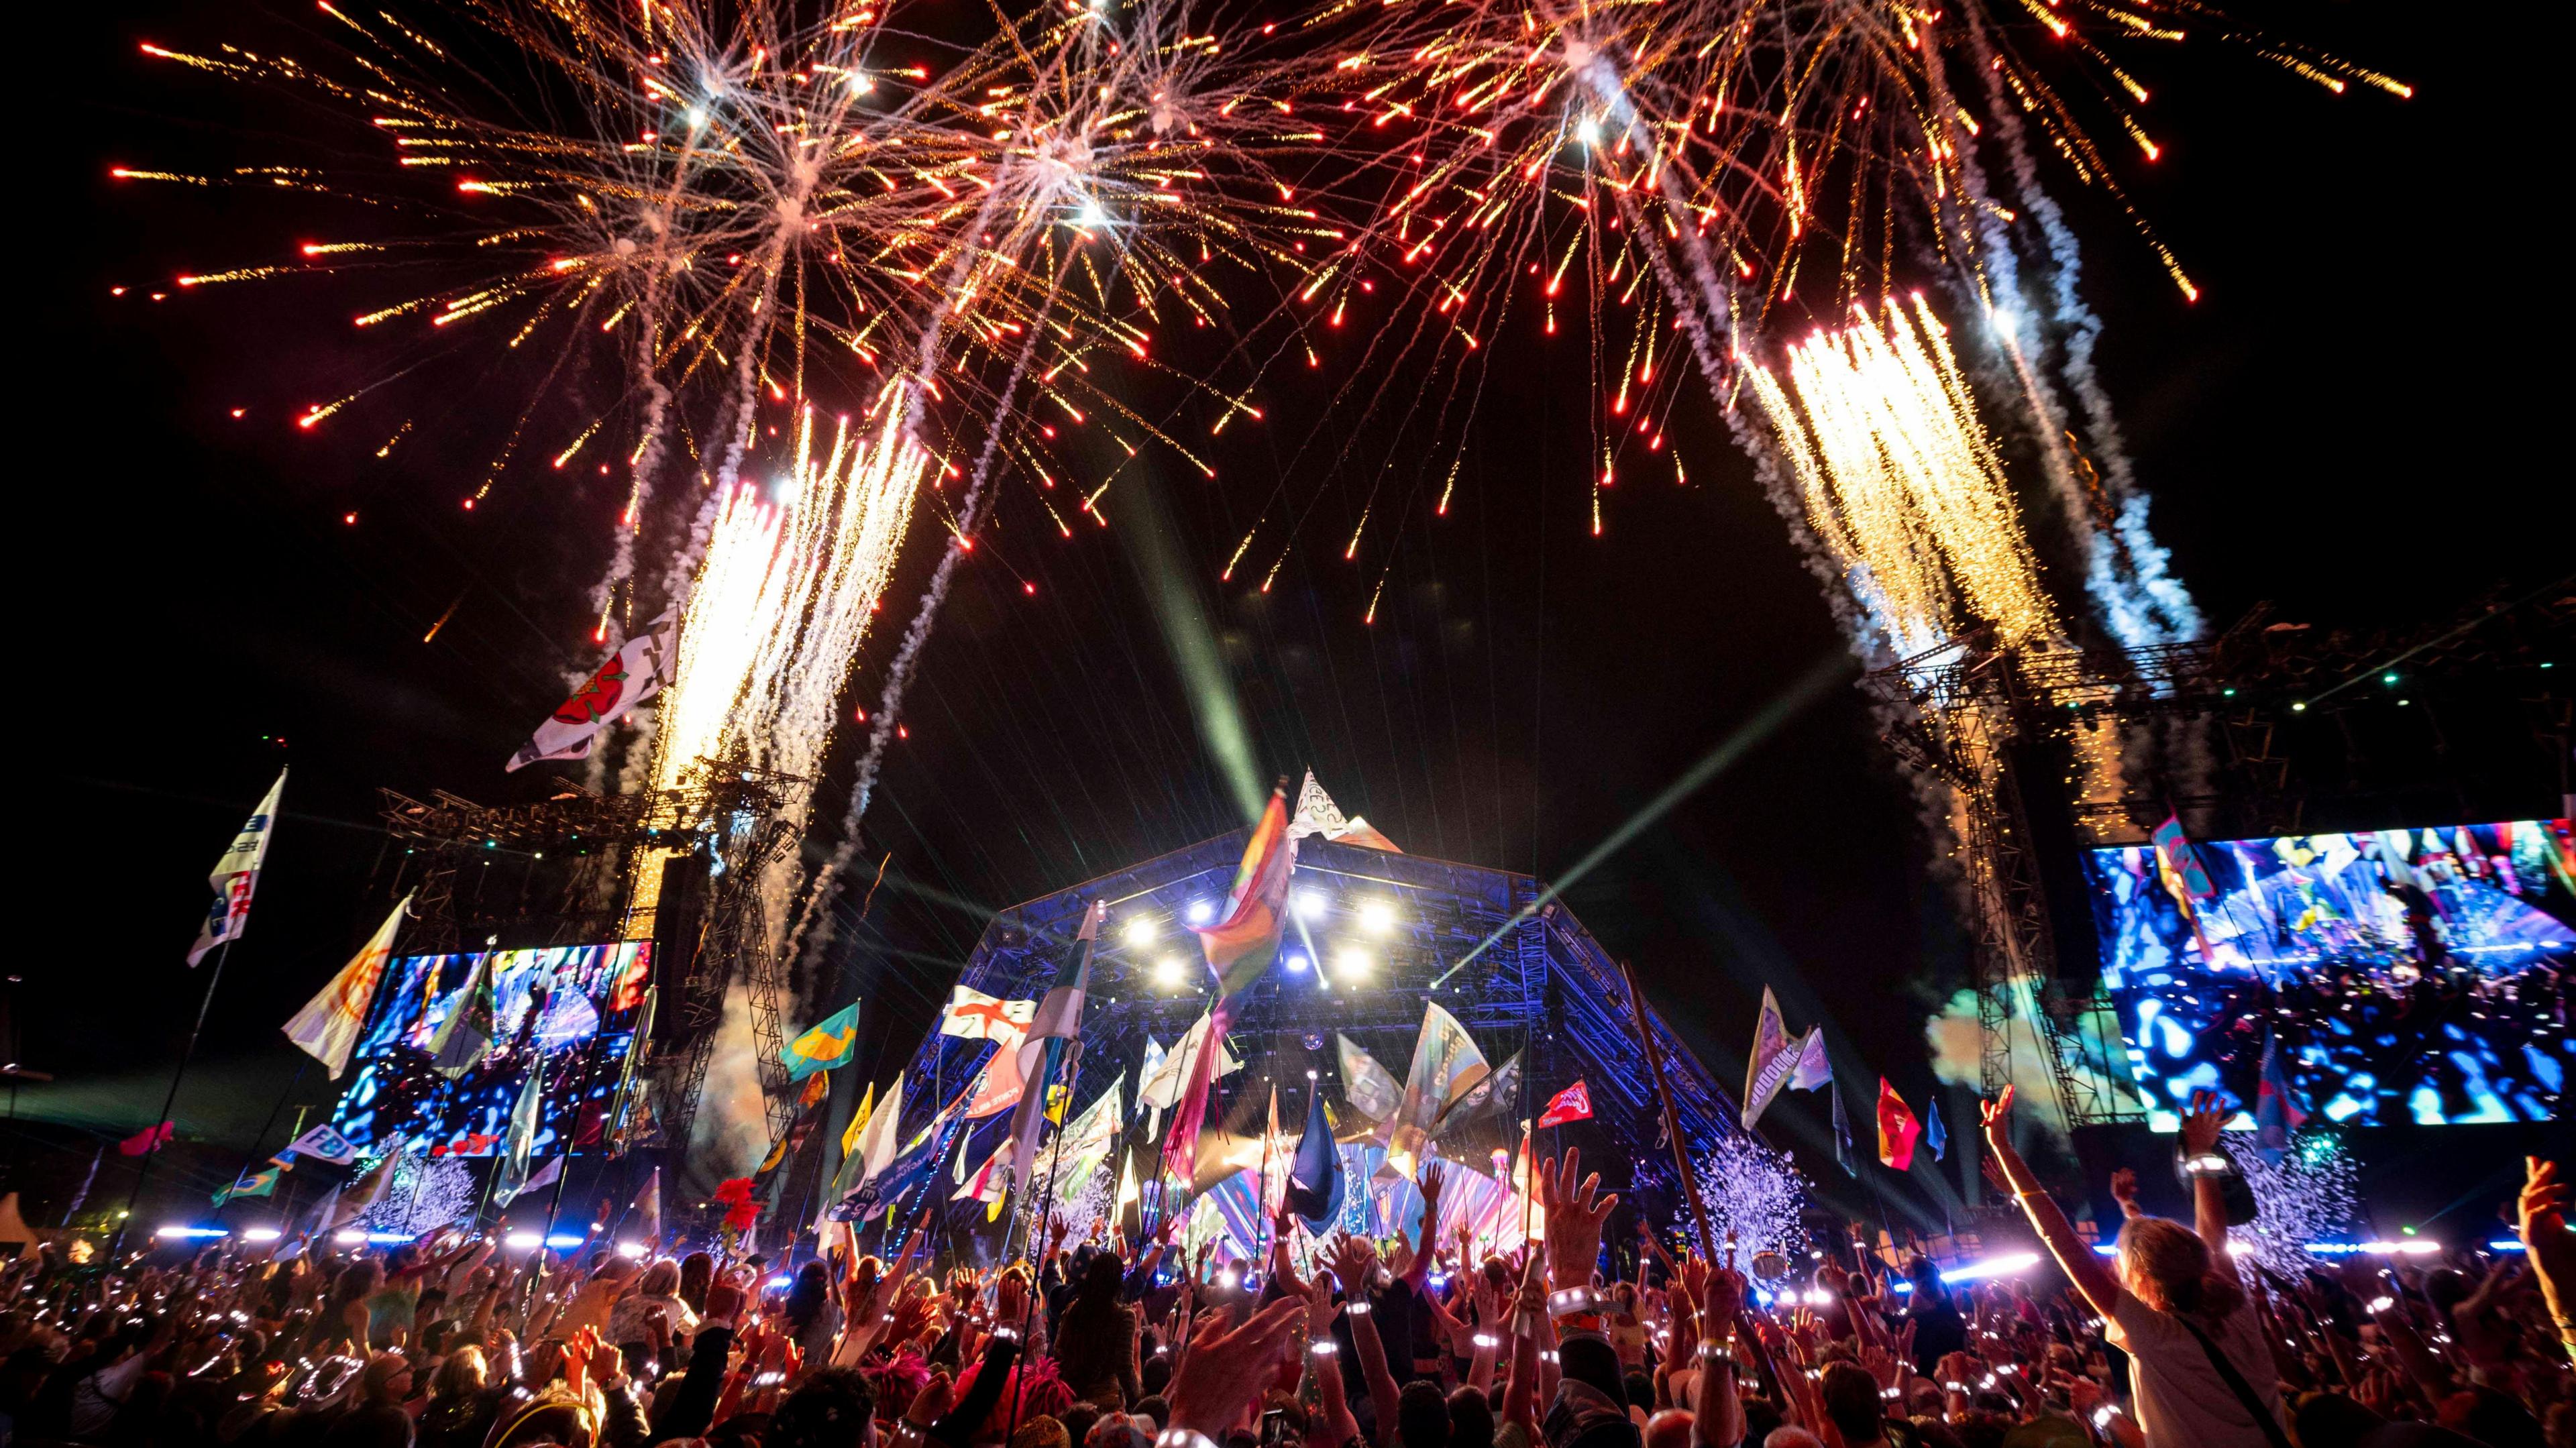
<point x="1754" y="1195"/>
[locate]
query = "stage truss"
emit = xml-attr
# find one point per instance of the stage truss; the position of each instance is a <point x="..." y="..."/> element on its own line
<point x="680" y="867"/>
<point x="1545" y="989"/>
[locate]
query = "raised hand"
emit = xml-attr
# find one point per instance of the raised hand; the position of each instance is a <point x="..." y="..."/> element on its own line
<point x="2124" y="1190"/>
<point x="1354" y="1264"/>
<point x="2541" y="1212"/>
<point x="2201" y="1125"/>
<point x="1226" y="1369"/>
<point x="1997" y="1118"/>
<point x="1574" y="1218"/>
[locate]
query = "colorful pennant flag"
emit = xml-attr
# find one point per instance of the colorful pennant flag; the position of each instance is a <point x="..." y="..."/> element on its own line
<point x="1774" y="1058"/>
<point x="830" y="1042"/>
<point x="1897" y="1129"/>
<point x="1245" y="938"/>
<point x="236" y="875"/>
<point x="634" y="673"/>
<point x="2186" y="874"/>
<point x="1574" y="1103"/>
<point x="328" y="1026"/>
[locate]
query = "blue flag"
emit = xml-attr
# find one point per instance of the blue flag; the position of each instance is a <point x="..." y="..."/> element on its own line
<point x="1933" y="1134"/>
<point x="1842" y="1136"/>
<point x="1315" y="1175"/>
<point x="831" y="1042"/>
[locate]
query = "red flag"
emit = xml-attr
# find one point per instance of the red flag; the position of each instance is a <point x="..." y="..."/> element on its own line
<point x="149" y="1139"/>
<point x="1897" y="1129"/>
<point x="1574" y="1103"/>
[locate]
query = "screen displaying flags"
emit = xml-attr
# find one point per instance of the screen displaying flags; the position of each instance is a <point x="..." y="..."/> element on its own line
<point x="829" y="1042"/>
<point x="236" y="875"/>
<point x="1574" y="1103"/>
<point x="327" y="1028"/>
<point x="466" y="1034"/>
<point x="2185" y="873"/>
<point x="1897" y="1129"/>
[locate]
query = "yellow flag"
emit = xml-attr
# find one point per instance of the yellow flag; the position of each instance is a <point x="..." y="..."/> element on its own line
<point x="858" y="1123"/>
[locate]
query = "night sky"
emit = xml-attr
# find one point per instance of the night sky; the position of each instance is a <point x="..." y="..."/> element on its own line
<point x="2354" y="422"/>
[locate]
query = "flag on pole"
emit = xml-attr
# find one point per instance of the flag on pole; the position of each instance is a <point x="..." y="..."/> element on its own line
<point x="1574" y="1103"/>
<point x="868" y="1154"/>
<point x="1446" y="1066"/>
<point x="858" y="1123"/>
<point x="2185" y="873"/>
<point x="1369" y="1088"/>
<point x="830" y="1042"/>
<point x="1238" y="947"/>
<point x="634" y="673"/>
<point x="999" y="1086"/>
<point x="1842" y="1136"/>
<point x="1315" y="1174"/>
<point x="256" y="1184"/>
<point x="546" y="1176"/>
<point x="147" y="1141"/>
<point x="1053" y="1044"/>
<point x="975" y="1016"/>
<point x="1897" y="1129"/>
<point x="1775" y="1058"/>
<point x="361" y="1196"/>
<point x="1087" y="1141"/>
<point x="1814" y="1067"/>
<point x="323" y="1143"/>
<point x="466" y="1035"/>
<point x="648" y="1210"/>
<point x="327" y="1028"/>
<point x="236" y="875"/>
<point x="1933" y="1134"/>
<point x="510" y="1173"/>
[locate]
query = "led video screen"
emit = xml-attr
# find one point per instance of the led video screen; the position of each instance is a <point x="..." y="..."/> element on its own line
<point x="2412" y="976"/>
<point x="572" y="1008"/>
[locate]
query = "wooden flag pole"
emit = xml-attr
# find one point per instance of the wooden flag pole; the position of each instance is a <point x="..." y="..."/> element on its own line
<point x="1672" y="1126"/>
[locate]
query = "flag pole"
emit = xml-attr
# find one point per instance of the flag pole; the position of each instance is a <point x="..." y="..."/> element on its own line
<point x="1672" y="1125"/>
<point x="205" y="1003"/>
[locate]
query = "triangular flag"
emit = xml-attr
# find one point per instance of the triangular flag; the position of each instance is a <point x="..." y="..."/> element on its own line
<point x="1815" y="1068"/>
<point x="830" y="1042"/>
<point x="236" y="875"/>
<point x="1897" y="1129"/>
<point x="1933" y="1135"/>
<point x="1773" y="1060"/>
<point x="328" y="1026"/>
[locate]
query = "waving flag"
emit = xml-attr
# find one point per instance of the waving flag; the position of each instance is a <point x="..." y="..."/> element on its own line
<point x="519" y="1143"/>
<point x="1446" y="1066"/>
<point x="1814" y="1067"/>
<point x="1933" y="1135"/>
<point x="1774" y="1059"/>
<point x="235" y="876"/>
<point x="1238" y="948"/>
<point x="1366" y="1085"/>
<point x="975" y="1016"/>
<point x="1086" y="1141"/>
<point x="147" y="1141"/>
<point x="2277" y="1112"/>
<point x="1315" y="1174"/>
<point x="466" y="1035"/>
<point x="323" y="1144"/>
<point x="648" y="1210"/>
<point x="2184" y="871"/>
<point x="1842" y="1136"/>
<point x="1574" y="1103"/>
<point x="1897" y="1129"/>
<point x="327" y="1028"/>
<point x="256" y="1184"/>
<point x="830" y="1042"/>
<point x="633" y="674"/>
<point x="1053" y="1046"/>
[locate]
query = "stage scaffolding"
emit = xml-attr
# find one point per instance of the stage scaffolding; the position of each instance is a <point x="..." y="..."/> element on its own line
<point x="1545" y="989"/>
<point x="680" y="867"/>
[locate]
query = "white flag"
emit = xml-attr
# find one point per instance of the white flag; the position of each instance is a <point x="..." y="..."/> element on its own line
<point x="648" y="1211"/>
<point x="328" y="1026"/>
<point x="519" y="1142"/>
<point x="235" y="875"/>
<point x="979" y="1017"/>
<point x="545" y="1176"/>
<point x="325" y="1144"/>
<point x="633" y="674"/>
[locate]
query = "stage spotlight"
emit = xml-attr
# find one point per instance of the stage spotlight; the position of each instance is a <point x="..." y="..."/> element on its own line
<point x="1139" y="930"/>
<point x="1297" y="961"/>
<point x="1352" y="963"/>
<point x="1307" y="903"/>
<point x="1167" y="973"/>
<point x="1202" y="911"/>
<point x="1377" y="917"/>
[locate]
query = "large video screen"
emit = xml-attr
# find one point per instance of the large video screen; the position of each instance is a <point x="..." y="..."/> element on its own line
<point x="2415" y="976"/>
<point x="570" y="1011"/>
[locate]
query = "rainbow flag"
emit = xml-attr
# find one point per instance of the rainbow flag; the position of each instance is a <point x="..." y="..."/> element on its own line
<point x="1239" y="947"/>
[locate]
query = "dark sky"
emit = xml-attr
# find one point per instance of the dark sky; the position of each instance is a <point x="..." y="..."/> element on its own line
<point x="2350" y="422"/>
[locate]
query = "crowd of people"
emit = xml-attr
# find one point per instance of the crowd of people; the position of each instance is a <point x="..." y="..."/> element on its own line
<point x="1338" y="1342"/>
